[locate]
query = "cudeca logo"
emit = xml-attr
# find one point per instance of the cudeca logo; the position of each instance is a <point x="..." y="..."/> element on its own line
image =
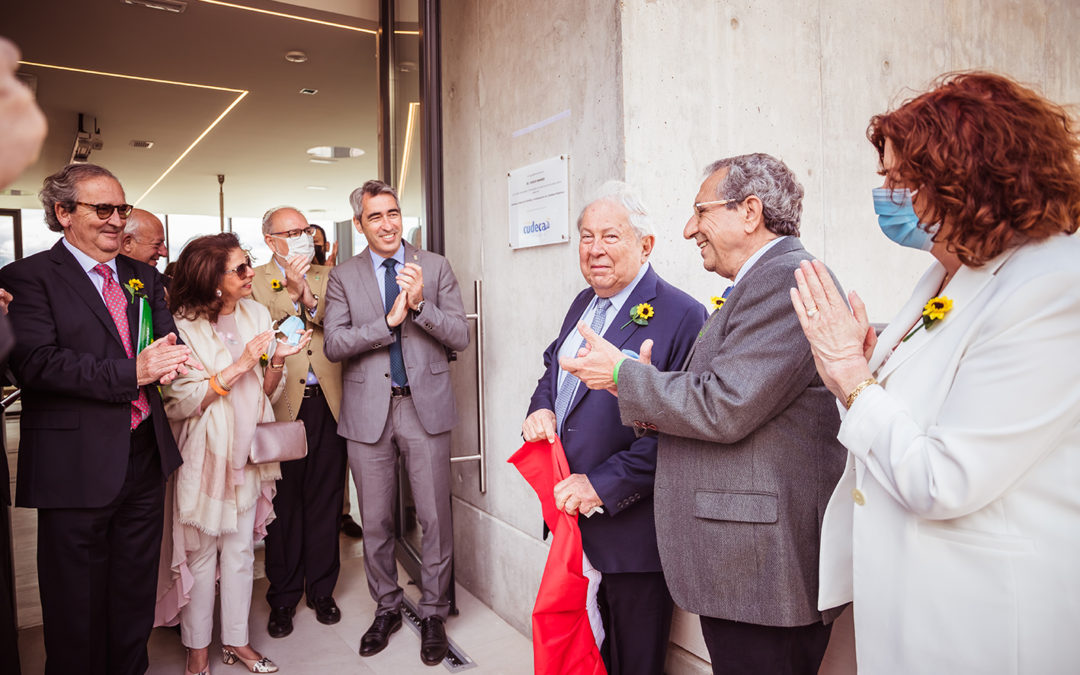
<point x="535" y="227"/>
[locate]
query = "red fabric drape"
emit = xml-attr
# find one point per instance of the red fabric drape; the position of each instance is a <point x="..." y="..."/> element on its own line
<point x="563" y="641"/>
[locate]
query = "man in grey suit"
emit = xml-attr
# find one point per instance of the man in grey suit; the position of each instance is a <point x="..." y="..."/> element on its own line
<point x="392" y="335"/>
<point x="748" y="454"/>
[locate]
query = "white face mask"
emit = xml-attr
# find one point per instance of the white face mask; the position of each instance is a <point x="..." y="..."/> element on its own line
<point x="303" y="246"/>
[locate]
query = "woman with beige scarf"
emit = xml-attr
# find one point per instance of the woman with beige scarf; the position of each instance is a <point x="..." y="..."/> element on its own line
<point x="219" y="502"/>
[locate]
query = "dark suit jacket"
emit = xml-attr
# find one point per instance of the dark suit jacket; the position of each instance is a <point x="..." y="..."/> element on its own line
<point x="77" y="381"/>
<point x="748" y="455"/>
<point x="7" y="341"/>
<point x="619" y="465"/>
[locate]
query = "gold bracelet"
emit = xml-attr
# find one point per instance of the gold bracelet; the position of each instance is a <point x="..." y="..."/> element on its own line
<point x="217" y="387"/>
<point x="273" y="367"/>
<point x="858" y="390"/>
<point x="221" y="381"/>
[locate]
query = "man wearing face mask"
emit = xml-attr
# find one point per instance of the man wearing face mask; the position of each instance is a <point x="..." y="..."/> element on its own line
<point x="302" y="543"/>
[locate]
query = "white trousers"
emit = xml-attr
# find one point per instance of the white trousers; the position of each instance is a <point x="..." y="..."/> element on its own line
<point x="234" y="555"/>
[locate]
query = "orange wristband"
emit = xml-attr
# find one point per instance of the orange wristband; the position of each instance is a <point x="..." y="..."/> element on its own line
<point x="217" y="387"/>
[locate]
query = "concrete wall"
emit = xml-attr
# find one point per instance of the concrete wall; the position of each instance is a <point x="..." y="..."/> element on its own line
<point x="657" y="89"/>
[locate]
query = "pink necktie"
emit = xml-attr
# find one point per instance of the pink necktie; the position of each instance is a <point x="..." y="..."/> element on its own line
<point x="114" y="300"/>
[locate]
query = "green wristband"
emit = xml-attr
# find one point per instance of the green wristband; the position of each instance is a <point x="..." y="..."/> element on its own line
<point x="615" y="373"/>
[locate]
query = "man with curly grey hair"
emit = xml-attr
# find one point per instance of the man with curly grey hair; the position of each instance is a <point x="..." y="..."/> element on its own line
<point x="748" y="455"/>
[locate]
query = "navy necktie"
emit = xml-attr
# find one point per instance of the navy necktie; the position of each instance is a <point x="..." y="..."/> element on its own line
<point x="391" y="290"/>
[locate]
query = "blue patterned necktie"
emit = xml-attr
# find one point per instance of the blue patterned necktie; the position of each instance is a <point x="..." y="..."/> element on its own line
<point x="391" y="290"/>
<point x="569" y="385"/>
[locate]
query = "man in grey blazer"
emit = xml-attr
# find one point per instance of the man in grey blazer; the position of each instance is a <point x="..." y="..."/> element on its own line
<point x="748" y="454"/>
<point x="392" y="314"/>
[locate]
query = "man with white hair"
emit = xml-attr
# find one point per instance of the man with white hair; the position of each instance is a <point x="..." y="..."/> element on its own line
<point x="611" y="468"/>
<point x="144" y="237"/>
<point x="302" y="543"/>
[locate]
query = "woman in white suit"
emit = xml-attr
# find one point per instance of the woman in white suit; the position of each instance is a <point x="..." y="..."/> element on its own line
<point x="955" y="529"/>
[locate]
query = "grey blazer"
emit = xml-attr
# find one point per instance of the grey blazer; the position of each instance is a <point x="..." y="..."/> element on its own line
<point x="748" y="455"/>
<point x="355" y="333"/>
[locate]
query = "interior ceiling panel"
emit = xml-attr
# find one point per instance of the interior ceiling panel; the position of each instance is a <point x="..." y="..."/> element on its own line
<point x="259" y="145"/>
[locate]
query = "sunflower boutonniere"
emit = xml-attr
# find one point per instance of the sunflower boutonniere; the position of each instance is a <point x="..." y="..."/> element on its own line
<point x="264" y="359"/>
<point x="276" y="285"/>
<point x="640" y="314"/>
<point x="135" y="288"/>
<point x="935" y="310"/>
<point x="717" y="301"/>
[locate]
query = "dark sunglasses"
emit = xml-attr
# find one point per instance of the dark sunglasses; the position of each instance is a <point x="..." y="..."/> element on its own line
<point x="105" y="211"/>
<point x="241" y="270"/>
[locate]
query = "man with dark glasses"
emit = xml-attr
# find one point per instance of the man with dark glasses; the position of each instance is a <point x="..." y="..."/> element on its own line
<point x="95" y="446"/>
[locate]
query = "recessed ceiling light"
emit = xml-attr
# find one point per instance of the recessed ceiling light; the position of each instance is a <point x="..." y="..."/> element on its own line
<point x="296" y="56"/>
<point x="174" y="6"/>
<point x="316" y="187"/>
<point x="309" y="91"/>
<point x="321" y="161"/>
<point x="334" y="152"/>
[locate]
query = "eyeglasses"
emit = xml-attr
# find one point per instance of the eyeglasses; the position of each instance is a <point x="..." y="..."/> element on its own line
<point x="699" y="207"/>
<point x="105" y="211"/>
<point x="293" y="234"/>
<point x="242" y="269"/>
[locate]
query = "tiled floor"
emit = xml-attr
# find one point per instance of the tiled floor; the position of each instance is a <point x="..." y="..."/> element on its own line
<point x="315" y="649"/>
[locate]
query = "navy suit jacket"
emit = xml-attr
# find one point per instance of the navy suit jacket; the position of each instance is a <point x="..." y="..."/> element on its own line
<point x="77" y="381"/>
<point x="620" y="465"/>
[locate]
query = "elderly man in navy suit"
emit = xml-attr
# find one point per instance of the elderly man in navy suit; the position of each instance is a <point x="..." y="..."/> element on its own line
<point x="95" y="446"/>
<point x="612" y="469"/>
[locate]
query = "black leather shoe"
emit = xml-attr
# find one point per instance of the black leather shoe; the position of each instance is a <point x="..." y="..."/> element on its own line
<point x="376" y="637"/>
<point x="351" y="528"/>
<point x="280" y="623"/>
<point x="433" y="642"/>
<point x="326" y="610"/>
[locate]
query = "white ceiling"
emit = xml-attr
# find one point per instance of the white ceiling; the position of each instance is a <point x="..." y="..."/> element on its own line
<point x="259" y="146"/>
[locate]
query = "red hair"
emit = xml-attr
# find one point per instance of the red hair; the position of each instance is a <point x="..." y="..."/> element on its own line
<point x="994" y="161"/>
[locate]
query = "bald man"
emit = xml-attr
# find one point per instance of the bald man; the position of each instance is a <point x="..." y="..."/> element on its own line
<point x="302" y="544"/>
<point x="144" y="238"/>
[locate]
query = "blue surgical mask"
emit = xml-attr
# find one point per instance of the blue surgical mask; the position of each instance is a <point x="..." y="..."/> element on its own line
<point x="897" y="219"/>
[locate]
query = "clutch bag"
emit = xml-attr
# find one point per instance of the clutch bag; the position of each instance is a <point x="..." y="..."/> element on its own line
<point x="279" y="442"/>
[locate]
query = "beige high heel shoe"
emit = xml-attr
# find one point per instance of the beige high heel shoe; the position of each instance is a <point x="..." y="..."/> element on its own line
<point x="205" y="671"/>
<point x="263" y="665"/>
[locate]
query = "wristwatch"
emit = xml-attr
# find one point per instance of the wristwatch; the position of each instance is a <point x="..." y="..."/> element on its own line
<point x="420" y="307"/>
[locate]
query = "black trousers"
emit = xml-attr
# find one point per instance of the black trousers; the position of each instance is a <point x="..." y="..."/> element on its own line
<point x="98" y="570"/>
<point x="737" y="648"/>
<point x="636" y="611"/>
<point x="9" y="637"/>
<point x="302" y="542"/>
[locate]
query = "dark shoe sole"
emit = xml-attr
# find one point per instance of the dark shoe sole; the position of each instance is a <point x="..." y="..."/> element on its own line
<point x="383" y="645"/>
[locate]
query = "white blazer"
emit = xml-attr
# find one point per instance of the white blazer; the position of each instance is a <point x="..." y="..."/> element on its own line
<point x="964" y="554"/>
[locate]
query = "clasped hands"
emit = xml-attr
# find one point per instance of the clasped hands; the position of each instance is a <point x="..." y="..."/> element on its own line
<point x="841" y="339"/>
<point x="411" y="282"/>
<point x="296" y="269"/>
<point x="163" y="361"/>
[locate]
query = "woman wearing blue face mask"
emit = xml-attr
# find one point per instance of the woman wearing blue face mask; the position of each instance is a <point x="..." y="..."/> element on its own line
<point x="954" y="530"/>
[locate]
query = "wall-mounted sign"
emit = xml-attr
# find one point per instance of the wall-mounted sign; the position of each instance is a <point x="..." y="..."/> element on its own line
<point x="540" y="203"/>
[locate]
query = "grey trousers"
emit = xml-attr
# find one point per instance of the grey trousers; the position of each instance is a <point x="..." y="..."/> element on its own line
<point x="427" y="463"/>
